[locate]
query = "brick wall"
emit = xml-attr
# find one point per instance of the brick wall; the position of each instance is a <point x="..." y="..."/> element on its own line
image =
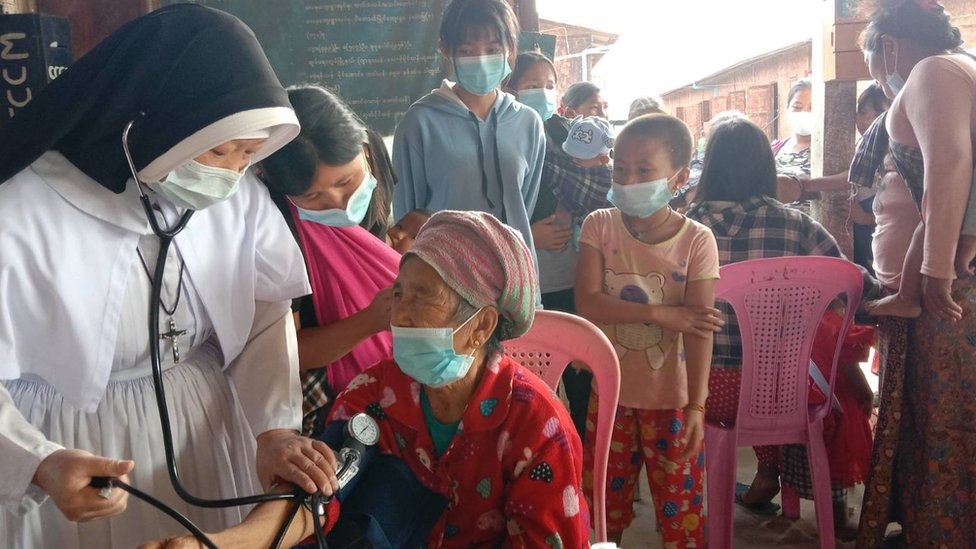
<point x="759" y="89"/>
<point x="963" y="16"/>
<point x="572" y="40"/>
<point x="738" y="88"/>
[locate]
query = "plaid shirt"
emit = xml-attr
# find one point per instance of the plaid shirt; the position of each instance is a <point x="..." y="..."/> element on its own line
<point x="757" y="229"/>
<point x="317" y="395"/>
<point x="580" y="190"/>
<point x="870" y="156"/>
<point x="871" y="151"/>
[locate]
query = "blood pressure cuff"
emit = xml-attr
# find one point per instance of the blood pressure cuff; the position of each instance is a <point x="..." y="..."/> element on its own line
<point x="385" y="502"/>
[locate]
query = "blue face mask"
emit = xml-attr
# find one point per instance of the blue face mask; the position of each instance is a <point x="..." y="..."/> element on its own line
<point x="481" y="74"/>
<point x="427" y="354"/>
<point x="355" y="209"/>
<point x="641" y="199"/>
<point x="541" y="100"/>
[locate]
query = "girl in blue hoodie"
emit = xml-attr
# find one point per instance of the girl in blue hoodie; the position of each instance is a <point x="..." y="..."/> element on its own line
<point x="468" y="145"/>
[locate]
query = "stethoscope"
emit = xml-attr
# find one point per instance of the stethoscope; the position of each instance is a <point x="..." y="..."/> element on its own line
<point x="315" y="502"/>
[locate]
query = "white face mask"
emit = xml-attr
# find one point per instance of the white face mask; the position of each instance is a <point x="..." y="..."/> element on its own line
<point x="196" y="186"/>
<point x="801" y="122"/>
<point x="894" y="80"/>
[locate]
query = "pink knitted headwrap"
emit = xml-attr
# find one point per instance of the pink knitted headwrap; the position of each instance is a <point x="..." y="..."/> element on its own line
<point x="485" y="261"/>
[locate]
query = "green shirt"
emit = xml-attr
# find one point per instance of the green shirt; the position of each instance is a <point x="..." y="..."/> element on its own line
<point x="441" y="433"/>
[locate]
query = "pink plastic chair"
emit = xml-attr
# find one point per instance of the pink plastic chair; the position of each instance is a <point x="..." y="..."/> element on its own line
<point x="555" y="340"/>
<point x="779" y="303"/>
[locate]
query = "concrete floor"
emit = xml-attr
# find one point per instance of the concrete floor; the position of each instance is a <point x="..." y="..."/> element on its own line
<point x="751" y="530"/>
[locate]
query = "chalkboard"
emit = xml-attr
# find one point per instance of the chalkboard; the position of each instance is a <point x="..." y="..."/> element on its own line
<point x="379" y="55"/>
<point x="544" y="43"/>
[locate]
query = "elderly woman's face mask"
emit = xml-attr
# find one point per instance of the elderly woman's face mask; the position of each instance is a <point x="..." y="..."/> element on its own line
<point x="425" y="332"/>
<point x="428" y="356"/>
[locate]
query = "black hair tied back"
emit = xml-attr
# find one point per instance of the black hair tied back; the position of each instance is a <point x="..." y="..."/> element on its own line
<point x="925" y="22"/>
<point x="331" y="133"/>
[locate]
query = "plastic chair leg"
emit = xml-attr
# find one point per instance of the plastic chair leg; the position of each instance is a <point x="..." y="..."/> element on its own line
<point x="820" y="477"/>
<point x="791" y="501"/>
<point x="605" y="417"/>
<point x="720" y="469"/>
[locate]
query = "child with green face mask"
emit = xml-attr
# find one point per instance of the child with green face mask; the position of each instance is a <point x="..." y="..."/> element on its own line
<point x="447" y="151"/>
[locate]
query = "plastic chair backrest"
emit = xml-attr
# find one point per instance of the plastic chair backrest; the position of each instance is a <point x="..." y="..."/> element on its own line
<point x="779" y="303"/>
<point x="555" y="340"/>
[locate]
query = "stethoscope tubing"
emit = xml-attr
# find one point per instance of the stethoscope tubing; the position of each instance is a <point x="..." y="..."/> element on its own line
<point x="166" y="236"/>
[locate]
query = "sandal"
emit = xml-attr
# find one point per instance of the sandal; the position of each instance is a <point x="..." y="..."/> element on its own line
<point x="766" y="508"/>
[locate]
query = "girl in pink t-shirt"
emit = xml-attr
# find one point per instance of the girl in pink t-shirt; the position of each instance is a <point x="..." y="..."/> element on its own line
<point x="646" y="275"/>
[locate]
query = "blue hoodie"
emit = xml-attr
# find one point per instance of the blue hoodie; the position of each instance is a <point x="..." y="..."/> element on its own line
<point x="446" y="158"/>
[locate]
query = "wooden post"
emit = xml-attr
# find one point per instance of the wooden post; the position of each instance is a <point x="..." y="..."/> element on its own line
<point x="527" y="14"/>
<point x="836" y="68"/>
<point x="832" y="152"/>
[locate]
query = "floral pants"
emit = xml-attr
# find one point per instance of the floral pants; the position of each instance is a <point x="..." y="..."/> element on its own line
<point x="651" y="439"/>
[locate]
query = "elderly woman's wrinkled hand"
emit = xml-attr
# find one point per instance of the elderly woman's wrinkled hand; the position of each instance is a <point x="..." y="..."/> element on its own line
<point x="699" y="321"/>
<point x="284" y="455"/>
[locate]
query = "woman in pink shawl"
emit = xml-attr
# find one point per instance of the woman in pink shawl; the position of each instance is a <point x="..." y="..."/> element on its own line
<point x="332" y="183"/>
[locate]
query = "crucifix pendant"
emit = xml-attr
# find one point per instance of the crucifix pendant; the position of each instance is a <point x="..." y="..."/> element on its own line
<point x="173" y="335"/>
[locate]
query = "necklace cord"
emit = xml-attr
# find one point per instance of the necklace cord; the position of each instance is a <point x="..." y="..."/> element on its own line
<point x="179" y="288"/>
<point x="640" y="234"/>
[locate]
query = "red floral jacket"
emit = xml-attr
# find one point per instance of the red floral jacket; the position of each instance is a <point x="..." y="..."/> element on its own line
<point x="512" y="474"/>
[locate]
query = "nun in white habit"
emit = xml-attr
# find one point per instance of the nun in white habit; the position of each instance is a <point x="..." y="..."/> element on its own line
<point x="76" y="254"/>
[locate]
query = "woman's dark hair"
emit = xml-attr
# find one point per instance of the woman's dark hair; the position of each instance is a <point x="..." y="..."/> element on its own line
<point x="334" y="135"/>
<point x="873" y="97"/>
<point x="930" y="27"/>
<point x="739" y="164"/>
<point x="579" y="93"/>
<point x="797" y="87"/>
<point x="525" y="61"/>
<point x="380" y="212"/>
<point x="464" y="17"/>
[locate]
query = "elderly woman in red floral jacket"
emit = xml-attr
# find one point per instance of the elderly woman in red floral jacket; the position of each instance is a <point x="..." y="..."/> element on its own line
<point x="470" y="425"/>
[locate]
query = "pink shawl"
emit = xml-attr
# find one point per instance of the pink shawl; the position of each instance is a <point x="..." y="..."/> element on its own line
<point x="347" y="267"/>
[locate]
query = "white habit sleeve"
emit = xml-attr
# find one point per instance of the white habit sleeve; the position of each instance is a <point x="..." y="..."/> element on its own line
<point x="22" y="448"/>
<point x="265" y="374"/>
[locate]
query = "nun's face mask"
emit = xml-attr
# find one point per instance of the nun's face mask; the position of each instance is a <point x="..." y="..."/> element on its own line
<point x="209" y="178"/>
